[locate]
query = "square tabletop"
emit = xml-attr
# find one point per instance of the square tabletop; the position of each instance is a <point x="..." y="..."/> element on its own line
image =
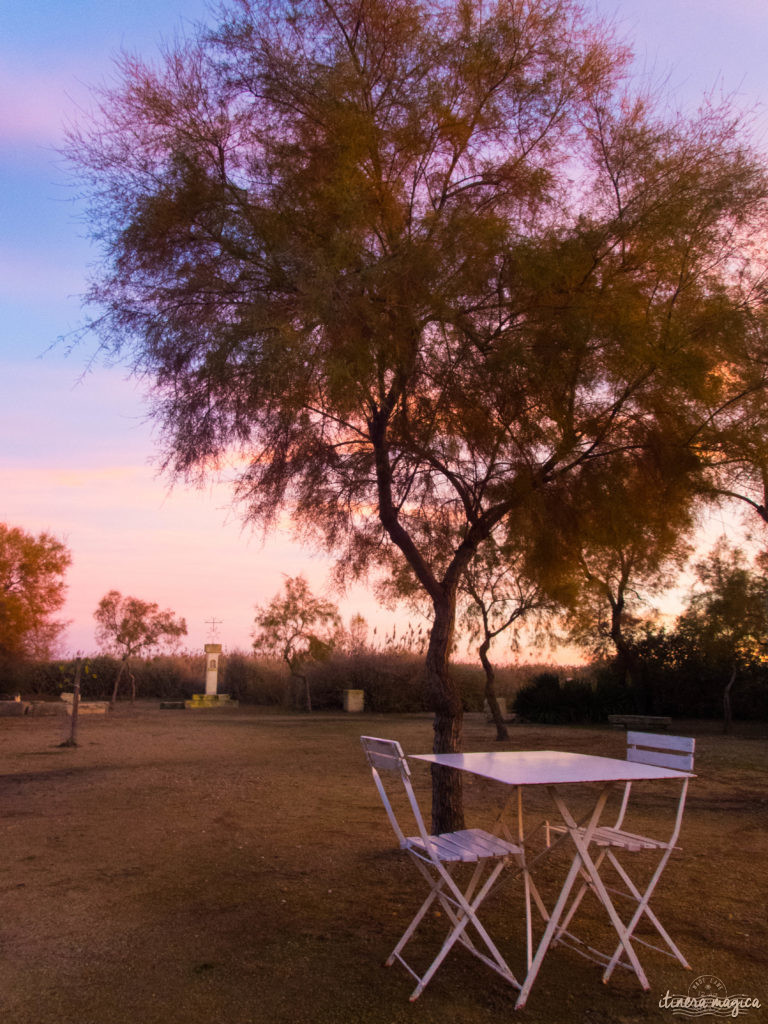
<point x="550" y="767"/>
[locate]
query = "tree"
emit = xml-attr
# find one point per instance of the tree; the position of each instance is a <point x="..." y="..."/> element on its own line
<point x="415" y="264"/>
<point x="297" y="627"/>
<point x="499" y="595"/>
<point x="728" y="619"/>
<point x="129" y="627"/>
<point x="625" y="543"/>
<point x="32" y="590"/>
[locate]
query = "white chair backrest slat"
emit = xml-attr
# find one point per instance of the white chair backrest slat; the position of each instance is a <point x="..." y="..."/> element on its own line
<point x="665" y="751"/>
<point x="384" y="755"/>
<point x="387" y="756"/>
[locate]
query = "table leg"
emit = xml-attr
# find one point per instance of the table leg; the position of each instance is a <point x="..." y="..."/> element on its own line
<point x="565" y="892"/>
<point x="531" y="893"/>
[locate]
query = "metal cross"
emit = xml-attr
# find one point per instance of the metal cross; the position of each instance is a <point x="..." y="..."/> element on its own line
<point x="213" y="623"/>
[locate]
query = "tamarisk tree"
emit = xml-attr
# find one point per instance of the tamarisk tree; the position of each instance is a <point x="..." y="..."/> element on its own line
<point x="297" y="627"/>
<point x="413" y="265"/>
<point x="129" y="627"/>
<point x="32" y="590"/>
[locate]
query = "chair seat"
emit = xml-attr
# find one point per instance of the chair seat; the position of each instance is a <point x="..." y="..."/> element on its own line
<point x="626" y="840"/>
<point x="606" y="836"/>
<point x="467" y="845"/>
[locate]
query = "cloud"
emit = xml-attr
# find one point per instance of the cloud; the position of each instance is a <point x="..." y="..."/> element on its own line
<point x="36" y="103"/>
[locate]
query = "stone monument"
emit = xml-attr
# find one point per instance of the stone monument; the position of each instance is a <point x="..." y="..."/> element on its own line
<point x="212" y="652"/>
<point x="211" y="698"/>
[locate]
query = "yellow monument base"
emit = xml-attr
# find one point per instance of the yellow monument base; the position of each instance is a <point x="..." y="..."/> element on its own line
<point x="210" y="700"/>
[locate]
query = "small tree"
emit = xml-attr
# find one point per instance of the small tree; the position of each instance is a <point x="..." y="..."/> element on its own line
<point x="297" y="627"/>
<point x="81" y="667"/>
<point x="729" y="618"/>
<point x="129" y="627"/>
<point x="499" y="595"/>
<point x="31" y="591"/>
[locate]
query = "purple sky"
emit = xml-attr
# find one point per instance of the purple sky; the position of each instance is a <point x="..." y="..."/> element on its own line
<point x="77" y="450"/>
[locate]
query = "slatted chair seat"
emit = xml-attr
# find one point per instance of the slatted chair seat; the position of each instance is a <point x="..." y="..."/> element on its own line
<point x="467" y="846"/>
<point x="625" y="840"/>
<point x="439" y="859"/>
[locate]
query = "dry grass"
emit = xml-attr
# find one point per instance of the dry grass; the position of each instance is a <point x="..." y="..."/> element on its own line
<point x="237" y="867"/>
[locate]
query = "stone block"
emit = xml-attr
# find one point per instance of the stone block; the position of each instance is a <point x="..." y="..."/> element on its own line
<point x="354" y="700"/>
<point x="12" y="708"/>
<point x="47" y="707"/>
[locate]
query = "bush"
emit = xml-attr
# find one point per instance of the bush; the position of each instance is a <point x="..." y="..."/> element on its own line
<point x="254" y="681"/>
<point x="538" y="701"/>
<point x="549" y="702"/>
<point x="392" y="682"/>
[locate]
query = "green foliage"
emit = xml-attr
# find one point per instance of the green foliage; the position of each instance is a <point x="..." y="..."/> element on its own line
<point x="542" y="700"/>
<point x="31" y="591"/>
<point x="128" y="626"/>
<point x="728" y="618"/>
<point x="253" y="680"/>
<point x="299" y="628"/>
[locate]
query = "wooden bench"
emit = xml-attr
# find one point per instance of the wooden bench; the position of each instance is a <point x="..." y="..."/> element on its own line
<point x="639" y="721"/>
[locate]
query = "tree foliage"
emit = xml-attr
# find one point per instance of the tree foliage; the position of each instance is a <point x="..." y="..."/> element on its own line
<point x="728" y="618"/>
<point x="297" y="627"/>
<point x="626" y="542"/>
<point x="498" y="595"/>
<point x="129" y="627"/>
<point x="32" y="590"/>
<point x="418" y="265"/>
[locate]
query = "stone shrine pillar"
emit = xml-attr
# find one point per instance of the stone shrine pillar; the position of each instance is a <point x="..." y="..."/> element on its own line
<point x="212" y="652"/>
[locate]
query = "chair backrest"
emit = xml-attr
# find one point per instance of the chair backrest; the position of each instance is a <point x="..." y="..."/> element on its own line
<point x="387" y="756"/>
<point x="664" y="751"/>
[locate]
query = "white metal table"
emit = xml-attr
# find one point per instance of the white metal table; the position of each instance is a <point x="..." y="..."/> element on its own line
<point x="555" y="769"/>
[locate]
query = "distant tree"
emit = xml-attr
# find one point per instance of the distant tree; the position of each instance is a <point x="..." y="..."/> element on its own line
<point x="728" y="618"/>
<point x="297" y="627"/>
<point x="625" y="542"/>
<point x="497" y="596"/>
<point x="129" y="627"/>
<point x="418" y="262"/>
<point x="32" y="590"/>
<point x="356" y="640"/>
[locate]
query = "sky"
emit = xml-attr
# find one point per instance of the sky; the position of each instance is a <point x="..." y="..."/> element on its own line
<point x="78" y="453"/>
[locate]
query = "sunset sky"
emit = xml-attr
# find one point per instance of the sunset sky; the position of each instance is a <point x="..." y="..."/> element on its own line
<point x="76" y="457"/>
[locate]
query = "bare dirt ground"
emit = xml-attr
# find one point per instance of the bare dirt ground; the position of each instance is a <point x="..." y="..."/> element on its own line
<point x="237" y="867"/>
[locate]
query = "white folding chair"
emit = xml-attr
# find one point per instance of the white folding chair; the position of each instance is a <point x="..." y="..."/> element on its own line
<point x="437" y="858"/>
<point x="648" y="748"/>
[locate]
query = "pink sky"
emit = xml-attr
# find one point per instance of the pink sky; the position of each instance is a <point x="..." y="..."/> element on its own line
<point x="76" y="453"/>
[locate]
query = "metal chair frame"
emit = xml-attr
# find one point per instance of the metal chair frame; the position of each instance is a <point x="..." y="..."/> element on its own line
<point x="648" y="748"/>
<point x="437" y="858"/>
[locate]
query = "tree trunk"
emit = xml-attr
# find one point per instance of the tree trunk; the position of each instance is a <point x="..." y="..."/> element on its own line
<point x="72" y="741"/>
<point x="625" y="659"/>
<point x="123" y="665"/>
<point x="303" y="686"/>
<point x="727" y="714"/>
<point x="445" y="699"/>
<point x="502" y="732"/>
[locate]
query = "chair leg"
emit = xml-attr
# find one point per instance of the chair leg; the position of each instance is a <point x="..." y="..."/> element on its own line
<point x="643" y="908"/>
<point x="461" y="911"/>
